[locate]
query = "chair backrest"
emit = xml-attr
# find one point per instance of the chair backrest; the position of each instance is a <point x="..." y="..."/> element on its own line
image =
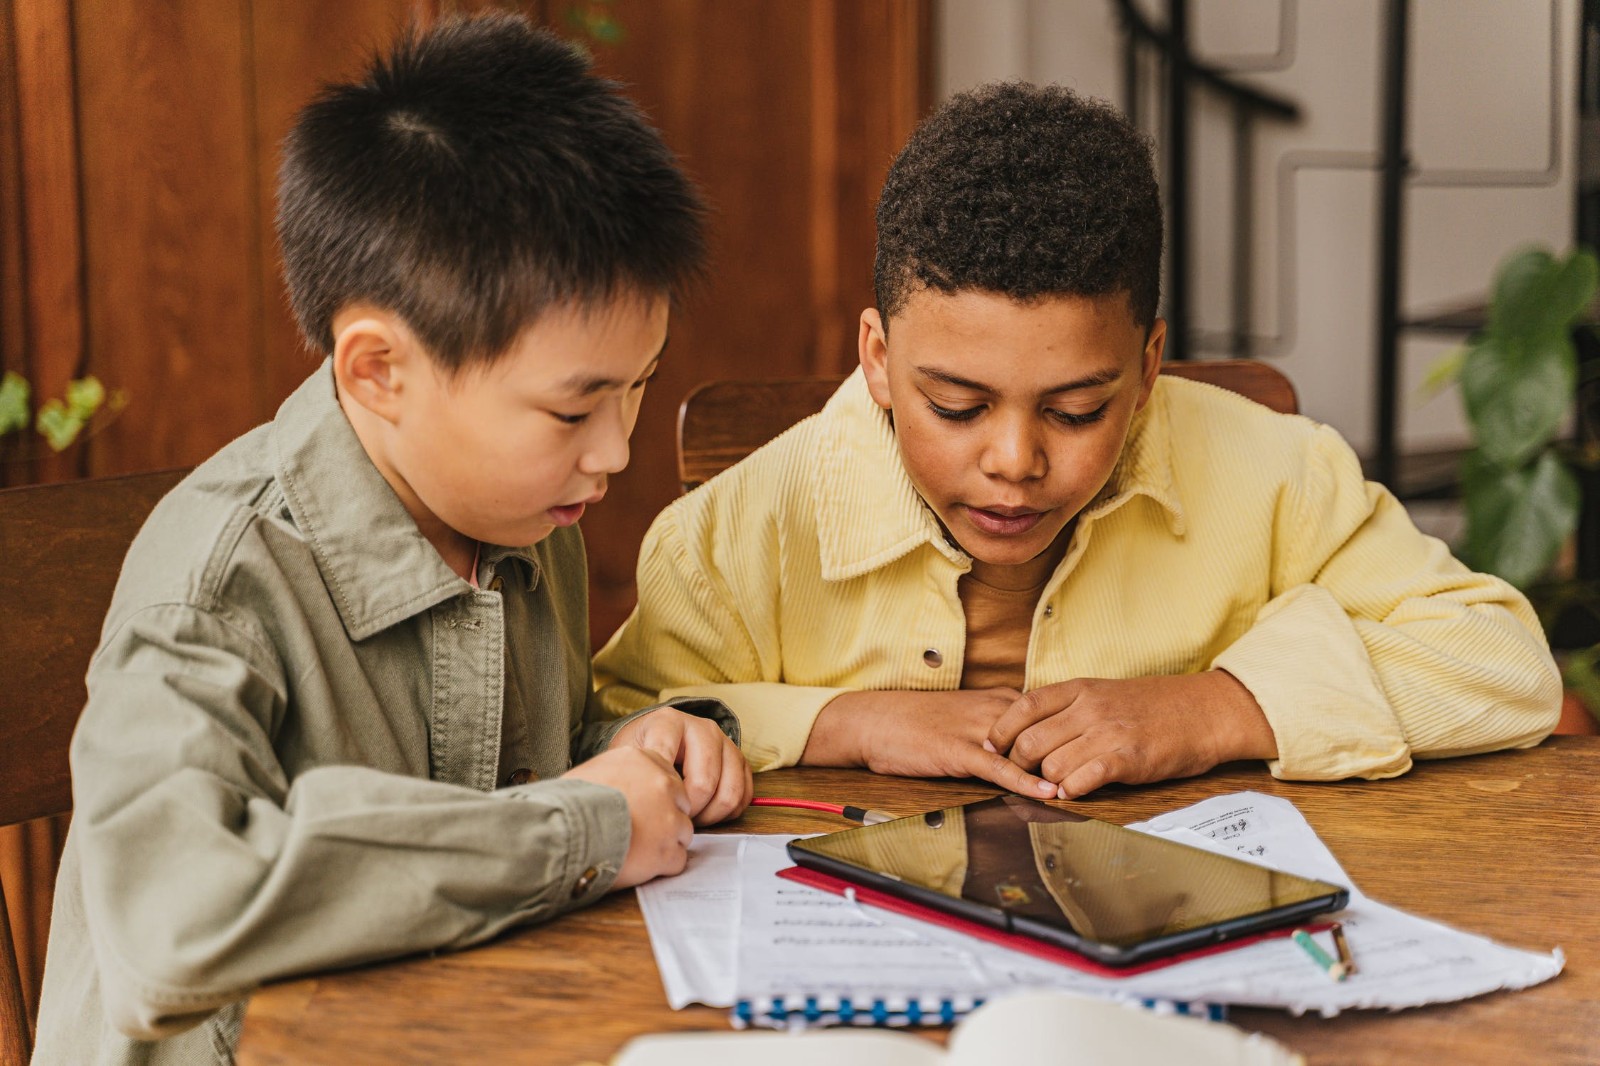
<point x="61" y="548"/>
<point x="721" y="422"/>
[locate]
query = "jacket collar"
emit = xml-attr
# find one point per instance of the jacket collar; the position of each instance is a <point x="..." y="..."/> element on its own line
<point x="869" y="514"/>
<point x="376" y="563"/>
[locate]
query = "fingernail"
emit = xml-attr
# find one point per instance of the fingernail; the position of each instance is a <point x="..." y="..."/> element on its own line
<point x="1046" y="788"/>
<point x="1061" y="793"/>
<point x="988" y="747"/>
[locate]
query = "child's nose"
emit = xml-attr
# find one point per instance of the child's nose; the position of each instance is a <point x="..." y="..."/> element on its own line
<point x="1014" y="453"/>
<point x="608" y="451"/>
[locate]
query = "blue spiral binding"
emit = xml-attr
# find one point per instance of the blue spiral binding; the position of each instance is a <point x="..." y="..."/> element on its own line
<point x="802" y="1012"/>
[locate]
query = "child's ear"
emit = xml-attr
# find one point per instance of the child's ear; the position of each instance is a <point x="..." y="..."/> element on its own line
<point x="872" y="346"/>
<point x="371" y="357"/>
<point x="1150" y="367"/>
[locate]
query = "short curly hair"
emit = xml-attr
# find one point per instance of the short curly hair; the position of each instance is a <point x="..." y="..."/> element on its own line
<point x="1026" y="190"/>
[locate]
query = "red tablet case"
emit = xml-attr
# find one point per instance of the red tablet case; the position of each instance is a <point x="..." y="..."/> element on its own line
<point x="1016" y="941"/>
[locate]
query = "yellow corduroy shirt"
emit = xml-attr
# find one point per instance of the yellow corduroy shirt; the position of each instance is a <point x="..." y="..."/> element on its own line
<point x="1228" y="536"/>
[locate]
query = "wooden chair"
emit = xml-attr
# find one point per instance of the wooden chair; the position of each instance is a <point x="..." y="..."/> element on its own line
<point x="62" y="547"/>
<point x="721" y="422"/>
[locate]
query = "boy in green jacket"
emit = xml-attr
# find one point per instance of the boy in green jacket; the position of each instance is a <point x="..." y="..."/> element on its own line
<point x="1009" y="548"/>
<point x="345" y="676"/>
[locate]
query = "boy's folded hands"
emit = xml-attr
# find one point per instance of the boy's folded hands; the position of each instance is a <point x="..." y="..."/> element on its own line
<point x="716" y="777"/>
<point x="920" y="734"/>
<point x="1090" y="732"/>
<point x="1063" y="740"/>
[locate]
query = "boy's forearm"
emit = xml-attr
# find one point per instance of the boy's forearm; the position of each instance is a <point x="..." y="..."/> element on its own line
<point x="836" y="736"/>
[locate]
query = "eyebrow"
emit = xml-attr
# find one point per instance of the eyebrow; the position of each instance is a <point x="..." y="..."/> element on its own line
<point x="1100" y="377"/>
<point x="587" y="384"/>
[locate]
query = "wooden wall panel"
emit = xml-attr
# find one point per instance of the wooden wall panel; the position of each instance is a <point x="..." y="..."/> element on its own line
<point x="297" y="47"/>
<point x="172" y="261"/>
<point x="51" y="215"/>
<point x="786" y="115"/>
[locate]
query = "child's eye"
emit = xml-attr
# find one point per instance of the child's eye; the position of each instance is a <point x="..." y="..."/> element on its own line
<point x="642" y="382"/>
<point x="1087" y="418"/>
<point x="569" y="420"/>
<point x="952" y="414"/>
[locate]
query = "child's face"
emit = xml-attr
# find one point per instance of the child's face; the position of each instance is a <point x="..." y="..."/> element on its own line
<point x="507" y="452"/>
<point x="1010" y="416"/>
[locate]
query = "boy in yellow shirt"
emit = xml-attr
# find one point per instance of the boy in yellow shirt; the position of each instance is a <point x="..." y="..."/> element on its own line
<point x="1008" y="549"/>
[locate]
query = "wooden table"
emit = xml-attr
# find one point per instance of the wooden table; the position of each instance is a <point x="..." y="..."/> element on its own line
<point x="1505" y="845"/>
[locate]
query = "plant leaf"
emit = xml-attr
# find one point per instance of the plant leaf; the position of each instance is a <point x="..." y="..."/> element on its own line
<point x="14" y="394"/>
<point x="57" y="425"/>
<point x="1445" y="369"/>
<point x="1516" y="390"/>
<point x="1517" y="518"/>
<point x="1536" y="294"/>
<point x="84" y="397"/>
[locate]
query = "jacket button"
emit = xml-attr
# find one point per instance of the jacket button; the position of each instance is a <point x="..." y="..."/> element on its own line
<point x="933" y="658"/>
<point x="584" y="882"/>
<point x="521" y="776"/>
<point x="1049" y="610"/>
<point x="496" y="583"/>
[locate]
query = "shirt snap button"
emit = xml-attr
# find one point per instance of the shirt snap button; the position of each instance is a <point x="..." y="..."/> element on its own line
<point x="583" y="883"/>
<point x="933" y="658"/>
<point x="1049" y="610"/>
<point x="521" y="776"/>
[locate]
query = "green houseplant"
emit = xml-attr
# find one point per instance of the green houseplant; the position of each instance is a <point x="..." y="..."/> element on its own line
<point x="58" y="422"/>
<point x="1522" y="481"/>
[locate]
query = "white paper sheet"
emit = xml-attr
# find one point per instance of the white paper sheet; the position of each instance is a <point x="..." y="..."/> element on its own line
<point x="730" y="928"/>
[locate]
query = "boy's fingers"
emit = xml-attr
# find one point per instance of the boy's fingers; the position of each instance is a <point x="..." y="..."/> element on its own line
<point x="702" y="761"/>
<point x="1007" y="774"/>
<point x="733" y="789"/>
<point x="1029" y="709"/>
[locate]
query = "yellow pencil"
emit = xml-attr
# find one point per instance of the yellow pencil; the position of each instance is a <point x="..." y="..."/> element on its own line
<point x="1342" y="946"/>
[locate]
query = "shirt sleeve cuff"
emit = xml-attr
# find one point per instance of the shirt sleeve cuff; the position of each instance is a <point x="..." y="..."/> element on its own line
<point x="775" y="720"/>
<point x="597" y="736"/>
<point x="1308" y="669"/>
<point x="598" y="830"/>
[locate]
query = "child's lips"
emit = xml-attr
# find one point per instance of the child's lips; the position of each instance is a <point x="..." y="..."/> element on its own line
<point x="567" y="514"/>
<point x="1004" y="521"/>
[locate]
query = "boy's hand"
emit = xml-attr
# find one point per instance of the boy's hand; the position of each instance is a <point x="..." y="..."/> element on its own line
<point x="1090" y="732"/>
<point x="919" y="734"/>
<point x="716" y="776"/>
<point x="658" y="811"/>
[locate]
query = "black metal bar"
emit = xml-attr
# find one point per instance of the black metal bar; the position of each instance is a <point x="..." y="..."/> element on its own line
<point x="1243" y="228"/>
<point x="1177" y="179"/>
<point x="1588" y="216"/>
<point x="1391" y="177"/>
<point x="1258" y="100"/>
<point x="1130" y="72"/>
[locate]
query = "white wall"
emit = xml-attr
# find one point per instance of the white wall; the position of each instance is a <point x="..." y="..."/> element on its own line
<point x="1480" y="101"/>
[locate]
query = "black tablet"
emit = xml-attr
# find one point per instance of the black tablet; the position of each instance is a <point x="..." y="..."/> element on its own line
<point x="1118" y="896"/>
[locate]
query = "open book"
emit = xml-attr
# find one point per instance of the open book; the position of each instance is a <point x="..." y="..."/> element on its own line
<point x="1028" y="1027"/>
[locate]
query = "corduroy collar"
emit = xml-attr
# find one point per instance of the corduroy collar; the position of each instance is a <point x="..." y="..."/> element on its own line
<point x="859" y="467"/>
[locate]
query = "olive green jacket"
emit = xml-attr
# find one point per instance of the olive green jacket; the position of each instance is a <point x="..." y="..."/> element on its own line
<point x="289" y="756"/>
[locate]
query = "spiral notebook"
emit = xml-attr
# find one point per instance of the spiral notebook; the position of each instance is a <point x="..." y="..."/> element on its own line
<point x="804" y="1012"/>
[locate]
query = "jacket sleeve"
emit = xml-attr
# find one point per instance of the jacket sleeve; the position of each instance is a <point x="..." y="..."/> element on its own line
<point x="1377" y="645"/>
<point x="206" y="872"/>
<point x="686" y="638"/>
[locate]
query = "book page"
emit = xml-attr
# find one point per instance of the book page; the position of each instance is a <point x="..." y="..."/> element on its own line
<point x="1067" y="1028"/>
<point x="835" y="1047"/>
